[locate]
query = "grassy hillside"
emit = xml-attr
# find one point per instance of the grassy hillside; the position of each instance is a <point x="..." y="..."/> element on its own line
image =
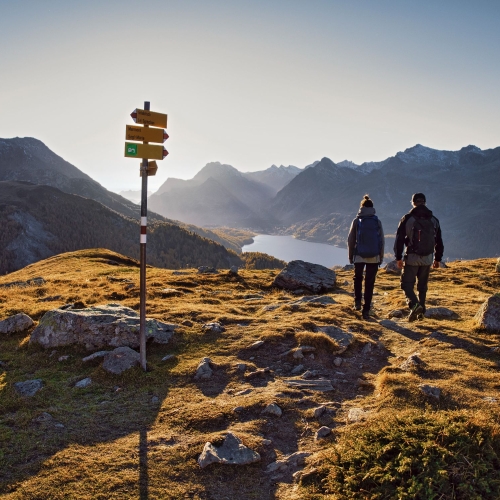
<point x="138" y="435"/>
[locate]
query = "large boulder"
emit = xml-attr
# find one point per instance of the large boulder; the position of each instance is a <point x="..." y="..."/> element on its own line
<point x="300" y="275"/>
<point x="488" y="316"/>
<point x="121" y="359"/>
<point x="17" y="323"/>
<point x="96" y="327"/>
<point x="392" y="267"/>
<point x="232" y="452"/>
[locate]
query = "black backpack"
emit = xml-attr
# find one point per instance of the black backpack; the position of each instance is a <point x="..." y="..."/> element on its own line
<point x="369" y="240"/>
<point x="423" y="236"/>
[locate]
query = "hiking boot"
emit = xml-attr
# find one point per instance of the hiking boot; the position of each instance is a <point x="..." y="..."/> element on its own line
<point x="357" y="305"/>
<point x="415" y="312"/>
<point x="366" y="315"/>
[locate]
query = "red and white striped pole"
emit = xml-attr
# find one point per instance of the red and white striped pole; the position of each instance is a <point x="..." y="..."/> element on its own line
<point x="144" y="229"/>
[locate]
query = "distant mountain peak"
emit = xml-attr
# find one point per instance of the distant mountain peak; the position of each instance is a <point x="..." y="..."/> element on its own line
<point x="347" y="164"/>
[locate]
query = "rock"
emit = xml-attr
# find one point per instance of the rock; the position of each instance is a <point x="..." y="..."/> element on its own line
<point x="22" y="284"/>
<point x="232" y="452"/>
<point x="321" y="385"/>
<point x="170" y="292"/>
<point x="244" y="392"/>
<point x="440" y="313"/>
<point x="17" y="323"/>
<point x="121" y="359"/>
<point x="271" y="307"/>
<point x="430" y="390"/>
<point x="337" y="361"/>
<point x="207" y="270"/>
<point x="488" y="316"/>
<point x="83" y="383"/>
<point x="63" y="358"/>
<point x="314" y="299"/>
<point x="396" y="313"/>
<point x="241" y="367"/>
<point x="273" y="409"/>
<point x="51" y="298"/>
<point x="319" y="411"/>
<point x="155" y="400"/>
<point x="98" y="354"/>
<point x="309" y="374"/>
<point x="297" y="369"/>
<point x="29" y="387"/>
<point x="204" y="370"/>
<point x="289" y="463"/>
<point x="298" y="353"/>
<point x="348" y="267"/>
<point x="187" y="323"/>
<point x="343" y="339"/>
<point x="47" y="420"/>
<point x="413" y="361"/>
<point x="238" y="409"/>
<point x="266" y="442"/>
<point x="213" y="327"/>
<point x="392" y="267"/>
<point x="356" y="415"/>
<point x="367" y="349"/>
<point x="261" y="372"/>
<point x="101" y="326"/>
<point x="167" y="357"/>
<point x="322" y="432"/>
<point x="303" y="275"/>
<point x="233" y="270"/>
<point x="256" y="345"/>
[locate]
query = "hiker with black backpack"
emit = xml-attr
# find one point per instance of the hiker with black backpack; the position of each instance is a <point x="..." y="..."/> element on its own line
<point x="420" y="232"/>
<point x="366" y="249"/>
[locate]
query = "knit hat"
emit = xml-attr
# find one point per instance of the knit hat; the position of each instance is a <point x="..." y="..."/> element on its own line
<point x="418" y="198"/>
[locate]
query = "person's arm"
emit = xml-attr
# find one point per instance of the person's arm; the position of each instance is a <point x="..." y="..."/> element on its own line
<point x="438" y="246"/>
<point x="383" y="242"/>
<point x="399" y="242"/>
<point x="351" y="240"/>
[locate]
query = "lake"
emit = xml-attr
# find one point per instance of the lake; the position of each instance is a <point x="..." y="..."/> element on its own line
<point x="288" y="248"/>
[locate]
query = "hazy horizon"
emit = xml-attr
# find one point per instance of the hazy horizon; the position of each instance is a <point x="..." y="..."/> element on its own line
<point x="249" y="84"/>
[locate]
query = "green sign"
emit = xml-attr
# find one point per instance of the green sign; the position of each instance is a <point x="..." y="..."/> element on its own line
<point x="130" y="149"/>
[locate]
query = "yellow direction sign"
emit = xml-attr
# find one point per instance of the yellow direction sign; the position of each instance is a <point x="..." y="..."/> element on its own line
<point x="145" y="151"/>
<point x="149" y="118"/>
<point x="152" y="168"/>
<point x="145" y="134"/>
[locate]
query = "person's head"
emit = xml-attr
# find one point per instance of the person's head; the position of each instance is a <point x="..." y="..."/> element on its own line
<point x="418" y="199"/>
<point x="366" y="202"/>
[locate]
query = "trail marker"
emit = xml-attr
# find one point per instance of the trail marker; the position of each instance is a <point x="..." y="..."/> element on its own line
<point x="145" y="151"/>
<point x="145" y="134"/>
<point x="133" y="150"/>
<point x="147" y="117"/>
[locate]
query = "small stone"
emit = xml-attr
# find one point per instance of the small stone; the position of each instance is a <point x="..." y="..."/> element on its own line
<point x="63" y="358"/>
<point x="167" y="357"/>
<point x="155" y="400"/>
<point x="232" y="452"/>
<point x="83" y="383"/>
<point x="297" y="369"/>
<point x="237" y="409"/>
<point x="309" y="374"/>
<point x="319" y="411"/>
<point x="120" y="359"/>
<point x="17" y="323"/>
<point x="430" y="390"/>
<point x="396" y="313"/>
<point x="214" y="327"/>
<point x="187" y="323"/>
<point x="266" y="442"/>
<point x="273" y="409"/>
<point x="98" y="354"/>
<point x="323" y="432"/>
<point x="29" y="387"/>
<point x="337" y="361"/>
<point x="367" y="349"/>
<point x="256" y="345"/>
<point x="413" y="361"/>
<point x="204" y="370"/>
<point x="298" y="354"/>
<point x="356" y="415"/>
<point x="241" y="367"/>
<point x="244" y="392"/>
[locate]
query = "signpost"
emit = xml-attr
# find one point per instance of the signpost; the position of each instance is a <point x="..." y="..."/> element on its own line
<point x="145" y="151"/>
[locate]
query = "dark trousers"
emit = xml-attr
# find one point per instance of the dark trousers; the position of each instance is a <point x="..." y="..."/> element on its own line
<point x="371" y="273"/>
<point x="409" y="275"/>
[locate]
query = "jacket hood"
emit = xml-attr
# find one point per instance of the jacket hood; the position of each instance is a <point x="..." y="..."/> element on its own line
<point x="366" y="212"/>
<point x="421" y="211"/>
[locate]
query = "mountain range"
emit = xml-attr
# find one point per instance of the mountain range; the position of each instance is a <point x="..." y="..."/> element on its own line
<point x="318" y="202"/>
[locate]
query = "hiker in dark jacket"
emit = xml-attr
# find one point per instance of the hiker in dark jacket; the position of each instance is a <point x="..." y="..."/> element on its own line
<point x="367" y="253"/>
<point x="420" y="232"/>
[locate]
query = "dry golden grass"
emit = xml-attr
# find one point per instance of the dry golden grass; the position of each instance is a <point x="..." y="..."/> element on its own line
<point x="119" y="443"/>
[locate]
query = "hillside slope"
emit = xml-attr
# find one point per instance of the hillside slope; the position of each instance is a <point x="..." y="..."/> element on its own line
<point x="39" y="221"/>
<point x="139" y="435"/>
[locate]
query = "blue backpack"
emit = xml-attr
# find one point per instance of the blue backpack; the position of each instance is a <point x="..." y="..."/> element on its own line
<point x="369" y="240"/>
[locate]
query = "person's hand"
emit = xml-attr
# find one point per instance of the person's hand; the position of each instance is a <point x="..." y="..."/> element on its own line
<point x="400" y="264"/>
<point x="435" y="264"/>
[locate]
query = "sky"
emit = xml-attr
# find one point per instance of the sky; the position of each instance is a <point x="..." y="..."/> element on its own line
<point x="249" y="83"/>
